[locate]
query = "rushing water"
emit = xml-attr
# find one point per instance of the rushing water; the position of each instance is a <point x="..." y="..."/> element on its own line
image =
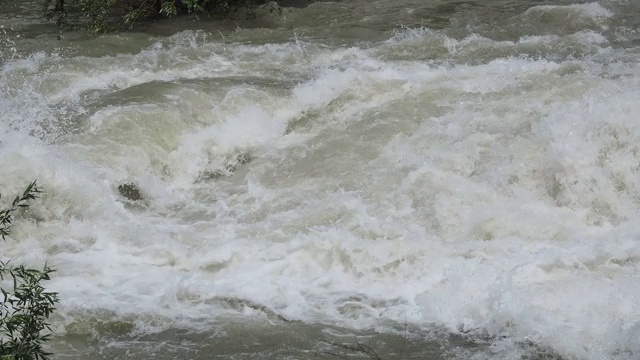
<point x="438" y="179"/>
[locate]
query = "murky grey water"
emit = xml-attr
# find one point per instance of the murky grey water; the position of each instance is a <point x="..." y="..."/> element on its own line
<point x="433" y="179"/>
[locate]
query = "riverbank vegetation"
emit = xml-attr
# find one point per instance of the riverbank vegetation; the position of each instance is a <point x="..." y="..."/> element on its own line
<point x="25" y="306"/>
<point x="104" y="15"/>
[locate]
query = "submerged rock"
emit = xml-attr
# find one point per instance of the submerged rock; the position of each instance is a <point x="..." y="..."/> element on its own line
<point x="231" y="165"/>
<point x="130" y="191"/>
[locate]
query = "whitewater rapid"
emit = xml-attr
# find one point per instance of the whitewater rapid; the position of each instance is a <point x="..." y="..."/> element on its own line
<point x="483" y="183"/>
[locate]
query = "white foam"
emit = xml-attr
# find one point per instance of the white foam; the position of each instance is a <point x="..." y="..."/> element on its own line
<point x="591" y="10"/>
<point x="496" y="199"/>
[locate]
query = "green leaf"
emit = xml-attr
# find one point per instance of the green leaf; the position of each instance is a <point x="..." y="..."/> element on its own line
<point x="26" y="307"/>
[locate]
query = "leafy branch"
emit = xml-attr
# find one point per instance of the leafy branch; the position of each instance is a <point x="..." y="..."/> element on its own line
<point x="6" y="215"/>
<point x="23" y="312"/>
<point x="26" y="307"/>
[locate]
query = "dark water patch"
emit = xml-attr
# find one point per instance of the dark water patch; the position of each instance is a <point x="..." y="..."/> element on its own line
<point x="161" y="91"/>
<point x="255" y="339"/>
<point x="273" y="339"/>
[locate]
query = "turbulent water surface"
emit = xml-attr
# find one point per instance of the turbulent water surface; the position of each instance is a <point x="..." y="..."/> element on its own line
<point x="435" y="179"/>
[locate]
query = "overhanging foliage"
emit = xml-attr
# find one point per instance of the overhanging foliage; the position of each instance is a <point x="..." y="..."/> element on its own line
<point x="103" y="15"/>
<point x="25" y="306"/>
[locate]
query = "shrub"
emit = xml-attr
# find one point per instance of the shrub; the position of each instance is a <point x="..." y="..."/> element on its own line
<point x="25" y="308"/>
<point x="103" y="15"/>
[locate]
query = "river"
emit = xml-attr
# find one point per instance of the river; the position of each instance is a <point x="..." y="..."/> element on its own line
<point x="433" y="179"/>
